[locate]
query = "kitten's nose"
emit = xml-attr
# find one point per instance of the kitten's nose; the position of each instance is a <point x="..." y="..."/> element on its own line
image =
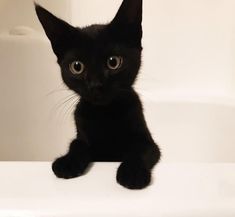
<point x="94" y="85"/>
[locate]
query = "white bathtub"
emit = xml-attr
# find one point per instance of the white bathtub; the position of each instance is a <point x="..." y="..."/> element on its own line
<point x="34" y="126"/>
<point x="192" y="128"/>
<point x="189" y="106"/>
<point x="29" y="189"/>
<point x="195" y="133"/>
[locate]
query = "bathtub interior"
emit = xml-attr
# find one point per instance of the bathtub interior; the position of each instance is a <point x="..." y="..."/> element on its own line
<point x="192" y="130"/>
<point x="191" y="116"/>
<point x="37" y="122"/>
<point x="32" y="111"/>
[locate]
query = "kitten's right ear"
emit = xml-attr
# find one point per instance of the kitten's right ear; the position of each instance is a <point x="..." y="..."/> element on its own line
<point x="57" y="30"/>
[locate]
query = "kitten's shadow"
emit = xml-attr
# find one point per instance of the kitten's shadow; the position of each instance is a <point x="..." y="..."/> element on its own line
<point x="89" y="167"/>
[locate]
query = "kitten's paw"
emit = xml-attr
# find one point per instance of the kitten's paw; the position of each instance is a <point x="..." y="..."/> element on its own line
<point x="133" y="176"/>
<point x="67" y="168"/>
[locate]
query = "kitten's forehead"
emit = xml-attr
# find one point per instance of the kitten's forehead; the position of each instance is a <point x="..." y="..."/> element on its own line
<point x="93" y="31"/>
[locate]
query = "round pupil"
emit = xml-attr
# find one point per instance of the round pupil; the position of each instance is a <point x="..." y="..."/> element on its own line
<point x="113" y="62"/>
<point x="77" y="66"/>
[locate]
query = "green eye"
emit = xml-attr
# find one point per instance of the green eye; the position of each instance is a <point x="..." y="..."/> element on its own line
<point x="114" y="62"/>
<point x="76" y="67"/>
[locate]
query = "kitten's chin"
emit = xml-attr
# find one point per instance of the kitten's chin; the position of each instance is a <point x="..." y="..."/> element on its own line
<point x="99" y="101"/>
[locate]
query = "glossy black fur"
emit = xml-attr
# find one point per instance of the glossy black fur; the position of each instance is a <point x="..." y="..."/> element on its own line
<point x="109" y="117"/>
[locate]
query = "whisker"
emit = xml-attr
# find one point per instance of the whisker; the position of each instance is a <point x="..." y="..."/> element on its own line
<point x="70" y="108"/>
<point x="64" y="101"/>
<point x="61" y="105"/>
<point x="55" y="91"/>
<point x="61" y="87"/>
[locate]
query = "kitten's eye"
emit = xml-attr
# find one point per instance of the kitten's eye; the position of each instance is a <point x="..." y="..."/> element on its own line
<point x="76" y="67"/>
<point x="114" y="62"/>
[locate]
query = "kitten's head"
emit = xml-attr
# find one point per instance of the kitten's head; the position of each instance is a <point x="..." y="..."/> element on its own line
<point x="98" y="61"/>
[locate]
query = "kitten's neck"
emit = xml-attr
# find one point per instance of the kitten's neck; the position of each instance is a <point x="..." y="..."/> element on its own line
<point x="124" y="97"/>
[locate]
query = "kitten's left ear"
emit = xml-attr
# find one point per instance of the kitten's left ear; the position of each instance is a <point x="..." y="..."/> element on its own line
<point x="128" y="19"/>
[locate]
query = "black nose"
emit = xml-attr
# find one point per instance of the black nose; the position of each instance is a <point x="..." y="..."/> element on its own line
<point x="94" y="85"/>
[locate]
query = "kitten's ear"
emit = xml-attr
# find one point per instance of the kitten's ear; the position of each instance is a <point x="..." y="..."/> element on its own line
<point x="129" y="19"/>
<point x="130" y="12"/>
<point x="57" y="30"/>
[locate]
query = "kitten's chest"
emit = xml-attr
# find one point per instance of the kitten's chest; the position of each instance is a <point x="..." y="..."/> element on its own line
<point x="101" y="125"/>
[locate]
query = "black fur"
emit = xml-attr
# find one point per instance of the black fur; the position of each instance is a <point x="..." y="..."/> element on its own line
<point x="109" y="117"/>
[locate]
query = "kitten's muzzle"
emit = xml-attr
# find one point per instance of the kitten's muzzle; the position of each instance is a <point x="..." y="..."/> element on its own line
<point x="96" y="92"/>
<point x="95" y="89"/>
<point x="94" y="85"/>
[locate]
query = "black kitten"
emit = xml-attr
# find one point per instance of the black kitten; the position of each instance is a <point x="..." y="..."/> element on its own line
<point x="100" y="63"/>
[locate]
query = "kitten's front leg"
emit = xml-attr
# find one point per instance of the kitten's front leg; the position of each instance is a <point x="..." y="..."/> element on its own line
<point x="135" y="171"/>
<point x="74" y="163"/>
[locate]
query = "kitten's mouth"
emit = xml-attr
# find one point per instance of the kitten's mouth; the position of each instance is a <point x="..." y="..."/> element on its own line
<point x="99" y="99"/>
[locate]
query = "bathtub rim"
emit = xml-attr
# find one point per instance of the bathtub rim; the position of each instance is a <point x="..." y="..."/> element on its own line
<point x="206" y="99"/>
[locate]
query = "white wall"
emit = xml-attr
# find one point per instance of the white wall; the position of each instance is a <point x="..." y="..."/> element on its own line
<point x="189" y="45"/>
<point x="21" y="12"/>
<point x="184" y="40"/>
<point x="34" y="122"/>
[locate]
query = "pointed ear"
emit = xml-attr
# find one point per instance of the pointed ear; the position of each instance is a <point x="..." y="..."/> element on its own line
<point x="130" y="12"/>
<point x="57" y="30"/>
<point x="128" y="21"/>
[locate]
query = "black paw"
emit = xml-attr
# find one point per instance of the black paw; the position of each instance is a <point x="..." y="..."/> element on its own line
<point x="67" y="168"/>
<point x="133" y="176"/>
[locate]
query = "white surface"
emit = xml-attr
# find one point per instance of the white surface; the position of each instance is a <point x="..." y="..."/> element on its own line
<point x="192" y="129"/>
<point x="179" y="190"/>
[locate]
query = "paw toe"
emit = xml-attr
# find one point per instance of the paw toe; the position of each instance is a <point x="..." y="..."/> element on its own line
<point x="65" y="168"/>
<point x="133" y="177"/>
